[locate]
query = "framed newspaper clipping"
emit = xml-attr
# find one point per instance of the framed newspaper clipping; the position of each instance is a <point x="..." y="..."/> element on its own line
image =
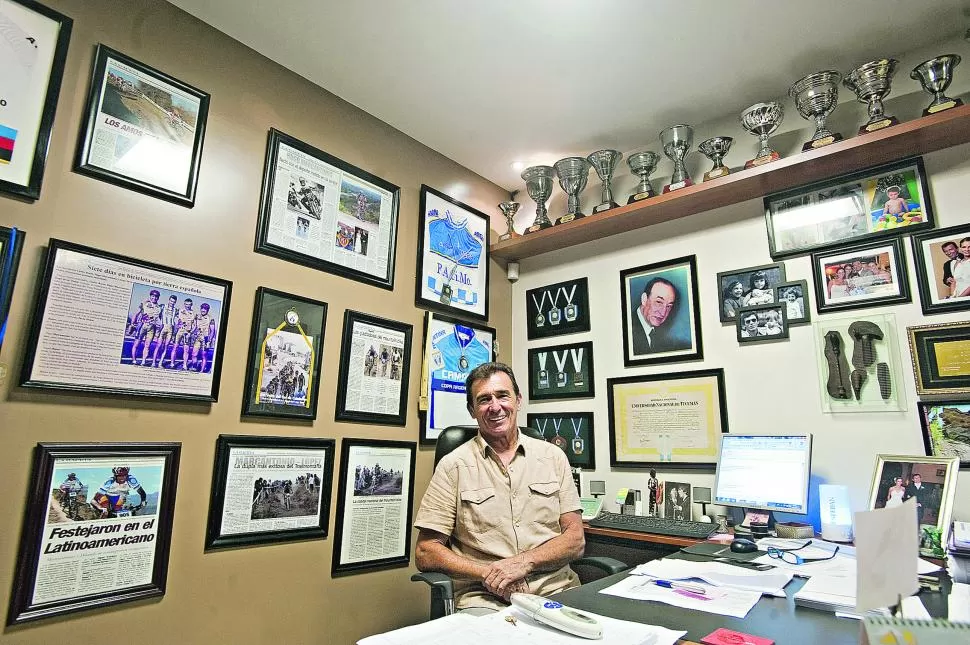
<point x="98" y="527"/>
<point x="269" y="489"/>
<point x="11" y="245"/>
<point x="324" y="213"/>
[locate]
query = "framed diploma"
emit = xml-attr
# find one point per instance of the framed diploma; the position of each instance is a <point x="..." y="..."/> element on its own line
<point x="941" y="358"/>
<point x="667" y="420"/>
<point x="561" y="372"/>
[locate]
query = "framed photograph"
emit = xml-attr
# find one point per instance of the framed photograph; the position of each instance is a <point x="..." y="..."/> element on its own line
<point x="324" y="213"/>
<point x="571" y="431"/>
<point x="452" y="257"/>
<point x="946" y="429"/>
<point x="942" y="260"/>
<point x="557" y="309"/>
<point x="11" y="245"/>
<point x="861" y="276"/>
<point x="452" y="349"/>
<point x="33" y="52"/>
<point x="285" y="356"/>
<point x="661" y="321"/>
<point x="794" y="295"/>
<point x="858" y="364"/>
<point x="144" y="129"/>
<point x="98" y="527"/>
<point x="747" y="287"/>
<point x="374" y="504"/>
<point x="931" y="481"/>
<point x="885" y="201"/>
<point x="145" y="329"/>
<point x="375" y="365"/>
<point x="672" y="420"/>
<point x="269" y="489"/>
<point x="676" y="500"/>
<point x="762" y="322"/>
<point x="941" y="358"/>
<point x="561" y="372"/>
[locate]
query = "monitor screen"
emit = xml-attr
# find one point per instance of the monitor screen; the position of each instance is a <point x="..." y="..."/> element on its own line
<point x="764" y="472"/>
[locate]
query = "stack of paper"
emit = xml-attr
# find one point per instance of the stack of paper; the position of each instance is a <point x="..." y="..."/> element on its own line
<point x="719" y="574"/>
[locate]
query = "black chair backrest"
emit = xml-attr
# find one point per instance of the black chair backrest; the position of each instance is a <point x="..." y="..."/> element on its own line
<point x="453" y="436"/>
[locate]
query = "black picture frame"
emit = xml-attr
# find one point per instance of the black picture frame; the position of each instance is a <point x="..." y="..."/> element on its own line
<point x="301" y="211"/>
<point x="355" y="361"/>
<point x="939" y="363"/>
<point x="944" y="425"/>
<point x="930" y="260"/>
<point x="51" y="505"/>
<point x="51" y="44"/>
<point x="11" y="246"/>
<point x="439" y="246"/>
<point x="254" y="455"/>
<point x="581" y="454"/>
<point x="295" y="321"/>
<point x="852" y="294"/>
<point x="118" y="282"/>
<point x="556" y="381"/>
<point x="799" y="310"/>
<point x="395" y="498"/>
<point x="571" y="318"/>
<point x="727" y="287"/>
<point x="867" y="186"/>
<point x="771" y="323"/>
<point x="174" y="133"/>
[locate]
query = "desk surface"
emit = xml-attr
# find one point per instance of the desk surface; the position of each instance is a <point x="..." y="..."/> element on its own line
<point x="637" y="536"/>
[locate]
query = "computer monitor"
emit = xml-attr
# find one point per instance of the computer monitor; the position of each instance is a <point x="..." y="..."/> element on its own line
<point x="764" y="472"/>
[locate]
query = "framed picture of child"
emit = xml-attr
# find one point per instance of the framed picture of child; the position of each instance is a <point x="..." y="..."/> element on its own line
<point x="747" y="287"/>
<point x="942" y="259"/>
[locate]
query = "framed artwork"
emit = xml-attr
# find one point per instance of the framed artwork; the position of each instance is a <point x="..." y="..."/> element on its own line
<point x="858" y="364"/>
<point x="285" y="356"/>
<point x="561" y="372"/>
<point x="452" y="349"/>
<point x="672" y="420"/>
<point x="144" y="129"/>
<point x="94" y="507"/>
<point x="11" y="245"/>
<point x="794" y="295"/>
<point x="269" y="489"/>
<point x="942" y="260"/>
<point x="557" y="309"/>
<point x="149" y="330"/>
<point x="747" y="287"/>
<point x="661" y="321"/>
<point x="676" y="500"/>
<point x="375" y="361"/>
<point x="946" y="429"/>
<point x="941" y="358"/>
<point x="571" y="431"/>
<point x="33" y="52"/>
<point x="762" y="322"/>
<point x="326" y="214"/>
<point x="374" y="504"/>
<point x="861" y="276"/>
<point x="931" y="481"/>
<point x="452" y="257"/>
<point x="885" y="201"/>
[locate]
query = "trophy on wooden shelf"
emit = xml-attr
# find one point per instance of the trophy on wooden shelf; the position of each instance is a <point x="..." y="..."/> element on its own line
<point x="677" y="141"/>
<point x="573" y="173"/>
<point x="642" y="164"/>
<point x="715" y="149"/>
<point x="761" y="119"/>
<point x="935" y="76"/>
<point x="604" y="163"/>
<point x="872" y="83"/>
<point x="509" y="209"/>
<point x="538" y="181"/>
<point x="816" y="96"/>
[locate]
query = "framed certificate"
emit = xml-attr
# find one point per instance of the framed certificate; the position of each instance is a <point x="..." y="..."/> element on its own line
<point x="941" y="358"/>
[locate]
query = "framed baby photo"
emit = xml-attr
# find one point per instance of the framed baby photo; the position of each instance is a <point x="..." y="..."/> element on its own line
<point x="946" y="429"/>
<point x="557" y="309"/>
<point x="571" y="431"/>
<point x="865" y="275"/>
<point x="794" y="294"/>
<point x="561" y="372"/>
<point x="747" y="287"/>
<point x="762" y="322"/>
<point x="942" y="259"/>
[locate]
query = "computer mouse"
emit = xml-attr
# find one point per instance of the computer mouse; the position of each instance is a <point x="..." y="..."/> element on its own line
<point x="743" y="545"/>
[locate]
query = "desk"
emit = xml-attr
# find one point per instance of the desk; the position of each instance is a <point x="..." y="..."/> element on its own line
<point x="632" y="547"/>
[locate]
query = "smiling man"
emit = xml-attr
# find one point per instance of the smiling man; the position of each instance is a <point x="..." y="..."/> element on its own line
<point x="501" y="513"/>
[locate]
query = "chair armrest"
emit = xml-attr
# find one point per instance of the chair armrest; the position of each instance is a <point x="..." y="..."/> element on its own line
<point x="607" y="565"/>
<point x="442" y="592"/>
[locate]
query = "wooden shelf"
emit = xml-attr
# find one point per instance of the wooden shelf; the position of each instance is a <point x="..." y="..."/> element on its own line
<point x="920" y="136"/>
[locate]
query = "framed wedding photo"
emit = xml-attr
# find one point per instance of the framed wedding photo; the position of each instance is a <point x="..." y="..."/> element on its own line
<point x="571" y="431"/>
<point x="11" y="246"/>
<point x="326" y="214"/>
<point x="561" y="372"/>
<point x="941" y="358"/>
<point x="794" y="295"/>
<point x="747" y="287"/>
<point x="557" y="309"/>
<point x="861" y="276"/>
<point x="946" y="429"/>
<point x="144" y="129"/>
<point x="942" y="259"/>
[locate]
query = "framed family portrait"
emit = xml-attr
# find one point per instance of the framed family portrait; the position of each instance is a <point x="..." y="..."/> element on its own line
<point x="98" y="527"/>
<point x="747" y="287"/>
<point x="794" y="295"/>
<point x="885" y="201"/>
<point x="375" y="361"/>
<point x="561" y="372"/>
<point x="941" y="358"/>
<point x="285" y="356"/>
<point x="453" y="257"/>
<point x="865" y="275"/>
<point x="34" y="52"/>
<point x="942" y="260"/>
<point x="326" y="214"/>
<point x="762" y="322"/>
<point x="661" y="321"/>
<point x="557" y="309"/>
<point x="11" y="245"/>
<point x="931" y="481"/>
<point x="946" y="429"/>
<point x="144" y="129"/>
<point x="112" y="324"/>
<point x="571" y="431"/>
<point x="374" y="504"/>
<point x="269" y="489"/>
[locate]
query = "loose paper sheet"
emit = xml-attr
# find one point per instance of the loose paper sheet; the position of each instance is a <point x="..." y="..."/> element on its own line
<point x="887" y="548"/>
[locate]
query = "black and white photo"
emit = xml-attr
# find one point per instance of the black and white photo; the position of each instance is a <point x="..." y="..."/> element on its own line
<point x="747" y="287"/>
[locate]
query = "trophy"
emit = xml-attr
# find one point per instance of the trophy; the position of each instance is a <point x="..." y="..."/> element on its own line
<point x="573" y="173"/>
<point x="715" y="149"/>
<point x="642" y="164"/>
<point x="872" y="83"/>
<point x="816" y="95"/>
<point x="604" y="162"/>
<point x="538" y="181"/>
<point x="935" y="76"/>
<point x="676" y="141"/>
<point x="509" y="209"/>
<point x="761" y="119"/>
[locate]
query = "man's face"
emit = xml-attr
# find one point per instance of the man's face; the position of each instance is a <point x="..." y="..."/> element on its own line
<point x="656" y="305"/>
<point x="917" y="479"/>
<point x="495" y="406"/>
<point x="154" y="298"/>
<point x="950" y="250"/>
<point x="173" y="301"/>
<point x="205" y="310"/>
<point x="121" y="478"/>
<point x="187" y="305"/>
<point x="857" y="265"/>
<point x="751" y="323"/>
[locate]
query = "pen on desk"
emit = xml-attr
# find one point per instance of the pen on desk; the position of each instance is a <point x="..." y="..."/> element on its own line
<point x="671" y="584"/>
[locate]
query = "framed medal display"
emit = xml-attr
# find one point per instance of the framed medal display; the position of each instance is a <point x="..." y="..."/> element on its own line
<point x="557" y="309"/>
<point x="571" y="431"/>
<point x="561" y="372"/>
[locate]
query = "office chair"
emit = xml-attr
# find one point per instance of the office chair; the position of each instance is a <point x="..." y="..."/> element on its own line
<point x="442" y="589"/>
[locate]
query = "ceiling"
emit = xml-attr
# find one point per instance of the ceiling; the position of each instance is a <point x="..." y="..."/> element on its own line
<point x="491" y="82"/>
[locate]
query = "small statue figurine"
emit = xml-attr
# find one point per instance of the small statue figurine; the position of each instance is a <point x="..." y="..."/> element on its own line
<point x="652" y="493"/>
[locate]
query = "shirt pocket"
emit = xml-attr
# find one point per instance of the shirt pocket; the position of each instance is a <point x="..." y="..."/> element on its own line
<point x="480" y="510"/>
<point x="544" y="503"/>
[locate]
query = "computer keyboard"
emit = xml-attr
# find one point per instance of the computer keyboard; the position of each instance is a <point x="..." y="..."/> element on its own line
<point x="656" y="525"/>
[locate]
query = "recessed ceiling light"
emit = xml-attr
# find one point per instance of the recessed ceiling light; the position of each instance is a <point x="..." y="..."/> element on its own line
<point x="517" y="165"/>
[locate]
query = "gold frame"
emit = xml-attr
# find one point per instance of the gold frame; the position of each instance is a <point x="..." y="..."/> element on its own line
<point x="911" y="334"/>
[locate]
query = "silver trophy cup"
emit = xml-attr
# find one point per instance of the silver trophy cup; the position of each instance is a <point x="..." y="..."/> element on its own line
<point x="677" y="141"/>
<point x="715" y="149"/>
<point x="761" y="119"/>
<point x="642" y="164"/>
<point x="935" y="76"/>
<point x="604" y="163"/>
<point x="573" y="173"/>
<point x="872" y="83"/>
<point x="816" y="96"/>
<point x="538" y="181"/>
<point x="509" y="209"/>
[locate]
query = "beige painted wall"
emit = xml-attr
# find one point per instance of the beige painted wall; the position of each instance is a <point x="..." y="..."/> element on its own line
<point x="272" y="594"/>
